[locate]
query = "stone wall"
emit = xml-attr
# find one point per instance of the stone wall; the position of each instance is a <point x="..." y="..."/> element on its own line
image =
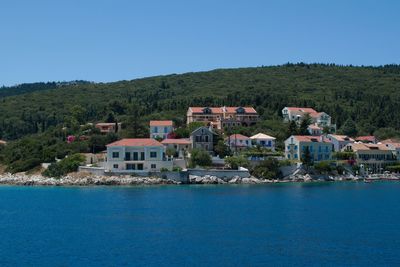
<point x="227" y="174"/>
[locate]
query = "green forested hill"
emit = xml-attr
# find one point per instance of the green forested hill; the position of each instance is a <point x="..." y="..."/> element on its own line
<point x="369" y="96"/>
<point x="361" y="100"/>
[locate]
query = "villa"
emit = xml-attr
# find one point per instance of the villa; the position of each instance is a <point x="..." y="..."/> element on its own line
<point x="296" y="146"/>
<point x="314" y="129"/>
<point x="223" y="117"/>
<point x="372" y="158"/>
<point x="263" y="140"/>
<point x="108" y="127"/>
<point x="161" y="129"/>
<point x="238" y="142"/>
<point x="393" y="145"/>
<point x="203" y="138"/>
<point x="320" y="119"/>
<point x="136" y="155"/>
<point x="367" y="139"/>
<point x="339" y="141"/>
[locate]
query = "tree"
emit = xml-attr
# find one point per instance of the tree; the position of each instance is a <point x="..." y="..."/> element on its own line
<point x="78" y="113"/>
<point x="235" y="162"/>
<point x="171" y="152"/>
<point x="306" y="158"/>
<point x="305" y="122"/>
<point x="110" y="118"/>
<point x="349" y="128"/>
<point x="67" y="165"/>
<point x="221" y="149"/>
<point x="200" y="157"/>
<point x="292" y="129"/>
<point x="323" y="167"/>
<point x="266" y="169"/>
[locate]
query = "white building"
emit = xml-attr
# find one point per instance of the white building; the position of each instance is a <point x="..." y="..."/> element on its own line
<point x="136" y="155"/>
<point x="161" y="129"/>
<point x="238" y="142"/>
<point x="296" y="146"/>
<point x="339" y="141"/>
<point x="264" y="141"/>
<point x="182" y="146"/>
<point x="297" y="114"/>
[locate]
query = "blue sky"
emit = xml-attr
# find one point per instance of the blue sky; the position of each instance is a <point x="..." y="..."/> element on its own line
<point x="110" y="40"/>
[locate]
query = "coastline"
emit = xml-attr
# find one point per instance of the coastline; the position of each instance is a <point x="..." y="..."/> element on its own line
<point x="79" y="179"/>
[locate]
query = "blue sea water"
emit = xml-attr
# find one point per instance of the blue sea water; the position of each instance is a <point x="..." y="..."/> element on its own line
<point x="334" y="224"/>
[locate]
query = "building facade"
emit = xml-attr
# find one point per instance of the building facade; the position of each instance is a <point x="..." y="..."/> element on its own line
<point x="161" y="129"/>
<point x="108" y="127"/>
<point x="297" y="145"/>
<point x="182" y="146"/>
<point x="223" y="117"/>
<point x="203" y="138"/>
<point x="263" y="140"/>
<point x="238" y="142"/>
<point x="136" y="155"/>
<point x="371" y="158"/>
<point x="339" y="141"/>
<point x="320" y="119"/>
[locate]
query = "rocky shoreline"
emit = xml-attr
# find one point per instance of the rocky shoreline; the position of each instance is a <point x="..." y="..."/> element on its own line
<point x="79" y="179"/>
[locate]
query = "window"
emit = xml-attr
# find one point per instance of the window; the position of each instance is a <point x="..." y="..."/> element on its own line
<point x="295" y="147"/>
<point x="140" y="167"/>
<point x="141" y="155"/>
<point x="135" y="156"/>
<point x="206" y="138"/>
<point x="156" y="129"/>
<point x="153" y="154"/>
<point x="153" y="166"/>
<point x="115" y="155"/>
<point x="127" y="156"/>
<point x="198" y="138"/>
<point x="295" y="156"/>
<point x="165" y="130"/>
<point x="130" y="166"/>
<point x="115" y="166"/>
<point x="288" y="156"/>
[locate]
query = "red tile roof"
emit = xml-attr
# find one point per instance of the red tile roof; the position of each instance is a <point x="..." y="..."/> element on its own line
<point x="161" y="123"/>
<point x="136" y="142"/>
<point x="306" y="110"/>
<point x="309" y="138"/>
<point x="238" y="137"/>
<point x="182" y="141"/>
<point x="369" y="138"/>
<point x="341" y="137"/>
<point x="219" y="110"/>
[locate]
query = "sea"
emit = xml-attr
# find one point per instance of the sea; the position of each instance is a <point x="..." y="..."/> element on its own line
<point x="309" y="224"/>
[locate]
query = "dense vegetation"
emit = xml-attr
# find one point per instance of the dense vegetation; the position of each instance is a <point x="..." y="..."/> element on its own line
<point x="361" y="100"/>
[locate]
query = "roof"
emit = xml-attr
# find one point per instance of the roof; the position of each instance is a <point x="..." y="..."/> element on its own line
<point x="220" y="110"/>
<point x="262" y="136"/>
<point x="106" y="123"/>
<point x="390" y="141"/>
<point x="136" y="142"/>
<point x="181" y="141"/>
<point x="239" y="137"/>
<point x="161" y="123"/>
<point x="362" y="146"/>
<point x="341" y="137"/>
<point x="309" y="138"/>
<point x="2" y="142"/>
<point x="369" y="138"/>
<point x="315" y="127"/>
<point x="305" y="110"/>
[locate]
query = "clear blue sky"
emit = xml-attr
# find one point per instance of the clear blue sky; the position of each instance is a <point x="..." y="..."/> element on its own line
<point x="110" y="40"/>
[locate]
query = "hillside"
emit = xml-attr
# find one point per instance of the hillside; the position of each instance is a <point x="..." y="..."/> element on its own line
<point x="367" y="95"/>
<point x="361" y="100"/>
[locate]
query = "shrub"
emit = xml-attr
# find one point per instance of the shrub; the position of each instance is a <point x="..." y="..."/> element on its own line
<point x="200" y="157"/>
<point x="235" y="162"/>
<point x="323" y="167"/>
<point x="267" y="169"/>
<point x="66" y="165"/>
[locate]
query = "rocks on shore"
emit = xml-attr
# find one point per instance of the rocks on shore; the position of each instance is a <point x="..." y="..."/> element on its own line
<point x="209" y="179"/>
<point x="80" y="180"/>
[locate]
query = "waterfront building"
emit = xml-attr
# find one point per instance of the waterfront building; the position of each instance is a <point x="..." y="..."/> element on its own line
<point x="223" y="117"/>
<point x="394" y="146"/>
<point x="320" y="119"/>
<point x="297" y="145"/>
<point x="263" y="140"/>
<point x="203" y="138"/>
<point x="373" y="158"/>
<point x="315" y="130"/>
<point x="238" y="142"/>
<point x="181" y="146"/>
<point x="161" y="129"/>
<point x="136" y="155"/>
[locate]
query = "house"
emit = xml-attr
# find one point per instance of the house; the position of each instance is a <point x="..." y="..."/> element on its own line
<point x="161" y="129"/>
<point x="314" y="129"/>
<point x="367" y="139"/>
<point x="393" y="145"/>
<point x="263" y="140"/>
<point x="238" y="142"/>
<point x="3" y="143"/>
<point x="223" y="117"/>
<point x="339" y="141"/>
<point x="136" y="155"/>
<point x="181" y="146"/>
<point x="92" y="158"/>
<point x="371" y="158"/>
<point x="321" y="119"/>
<point x="108" y="127"/>
<point x="203" y="137"/>
<point x="297" y="145"/>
